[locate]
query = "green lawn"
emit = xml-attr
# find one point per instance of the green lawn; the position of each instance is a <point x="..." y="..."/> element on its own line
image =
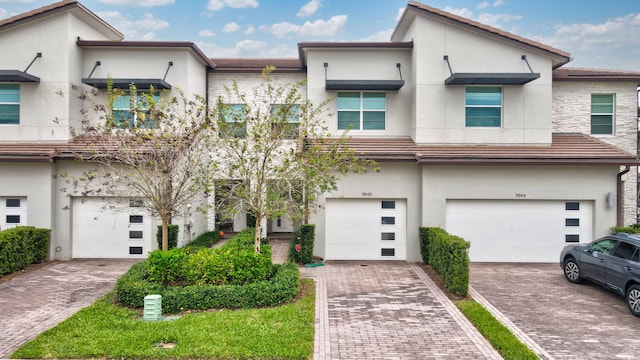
<point x="104" y="330"/>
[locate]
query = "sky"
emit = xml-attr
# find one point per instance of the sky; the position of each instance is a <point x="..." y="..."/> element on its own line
<point x="598" y="33"/>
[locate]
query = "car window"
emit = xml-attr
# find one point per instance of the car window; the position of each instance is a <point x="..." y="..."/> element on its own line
<point x="625" y="250"/>
<point x="636" y="255"/>
<point x="603" y="246"/>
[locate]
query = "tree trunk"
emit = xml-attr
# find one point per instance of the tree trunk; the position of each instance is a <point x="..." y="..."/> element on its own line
<point x="257" y="237"/>
<point x="165" y="233"/>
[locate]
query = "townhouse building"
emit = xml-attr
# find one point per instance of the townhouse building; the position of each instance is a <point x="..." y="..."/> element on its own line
<point x="484" y="133"/>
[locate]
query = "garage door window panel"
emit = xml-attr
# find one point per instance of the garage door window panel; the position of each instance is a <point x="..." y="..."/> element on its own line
<point x="135" y="250"/>
<point x="12" y="203"/>
<point x="12" y="219"/>
<point x="387" y="252"/>
<point x="136" y="219"/>
<point x="388" y="204"/>
<point x="572" y="238"/>
<point x="570" y="206"/>
<point x="388" y="220"/>
<point x="572" y="222"/>
<point x="136" y="235"/>
<point x="388" y="236"/>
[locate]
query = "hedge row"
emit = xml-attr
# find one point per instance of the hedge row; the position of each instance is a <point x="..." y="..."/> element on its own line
<point x="205" y="240"/>
<point x="449" y="256"/>
<point x="232" y="276"/>
<point x="301" y="247"/>
<point x="282" y="287"/>
<point x="22" y="246"/>
<point x="172" y="237"/>
<point x="631" y="229"/>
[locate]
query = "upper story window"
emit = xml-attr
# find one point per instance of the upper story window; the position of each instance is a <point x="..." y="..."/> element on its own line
<point x="234" y="120"/>
<point x="131" y="112"/>
<point x="483" y="106"/>
<point x="286" y="119"/>
<point x="361" y="110"/>
<point x="9" y="104"/>
<point x="602" y="106"/>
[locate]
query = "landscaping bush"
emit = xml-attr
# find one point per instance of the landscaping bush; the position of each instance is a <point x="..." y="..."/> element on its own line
<point x="173" y="236"/>
<point x="232" y="276"/>
<point x="22" y="246"/>
<point x="205" y="240"/>
<point x="305" y="238"/>
<point x="449" y="256"/>
<point x="631" y="229"/>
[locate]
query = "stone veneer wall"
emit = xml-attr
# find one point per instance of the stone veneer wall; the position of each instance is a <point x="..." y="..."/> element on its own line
<point x="571" y="112"/>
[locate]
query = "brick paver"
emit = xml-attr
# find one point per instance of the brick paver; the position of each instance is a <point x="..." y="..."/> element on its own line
<point x="388" y="310"/>
<point x="557" y="319"/>
<point x="38" y="300"/>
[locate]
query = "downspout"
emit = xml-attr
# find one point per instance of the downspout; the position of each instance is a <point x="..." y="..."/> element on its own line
<point x="619" y="196"/>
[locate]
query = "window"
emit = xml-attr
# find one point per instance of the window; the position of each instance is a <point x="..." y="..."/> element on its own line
<point x="9" y="104"/>
<point x="361" y="110"/>
<point x="12" y="203"/>
<point x="625" y="250"/>
<point x="135" y="234"/>
<point x="602" y="113"/>
<point x="388" y="220"/>
<point x="12" y="219"/>
<point x="233" y="120"/>
<point x="135" y="250"/>
<point x="572" y="205"/>
<point x="388" y="204"/>
<point x="571" y="222"/>
<point x="135" y="111"/>
<point x="387" y="252"/>
<point x="572" y="238"/>
<point x="603" y="246"/>
<point x="483" y="106"/>
<point x="387" y="236"/>
<point x="286" y="118"/>
<point x="136" y="219"/>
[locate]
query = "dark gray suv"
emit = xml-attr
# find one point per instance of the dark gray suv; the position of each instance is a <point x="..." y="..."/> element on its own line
<point x="612" y="261"/>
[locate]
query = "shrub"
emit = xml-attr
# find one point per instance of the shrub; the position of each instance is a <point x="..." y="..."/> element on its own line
<point x="173" y="236"/>
<point x="449" y="256"/>
<point x="22" y="246"/>
<point x="205" y="240"/>
<point x="167" y="267"/>
<point x="631" y="229"/>
<point x="305" y="238"/>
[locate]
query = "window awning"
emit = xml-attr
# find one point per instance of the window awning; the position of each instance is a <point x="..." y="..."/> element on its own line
<point x="364" y="84"/>
<point x="491" y="78"/>
<point x="17" y="76"/>
<point x="101" y="83"/>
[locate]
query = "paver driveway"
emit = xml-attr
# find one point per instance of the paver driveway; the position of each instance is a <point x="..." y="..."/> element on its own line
<point x="37" y="300"/>
<point x="561" y="320"/>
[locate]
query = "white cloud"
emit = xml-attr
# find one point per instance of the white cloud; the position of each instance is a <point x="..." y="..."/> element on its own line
<point x="496" y="20"/>
<point x="3" y="13"/>
<point x="19" y="1"/>
<point x="217" y="5"/>
<point x="464" y="12"/>
<point x="135" y="29"/>
<point x="384" y="35"/>
<point x="230" y="27"/>
<point x="249" y="48"/>
<point x="206" y="33"/>
<point x="139" y="3"/>
<point x="483" y="5"/>
<point x="309" y="8"/>
<point x="313" y="29"/>
<point x="250" y="30"/>
<point x="498" y="3"/>
<point x="399" y="14"/>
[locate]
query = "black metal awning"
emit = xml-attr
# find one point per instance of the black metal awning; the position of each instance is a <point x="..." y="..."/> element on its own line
<point x="101" y="83"/>
<point x="491" y="78"/>
<point x="364" y="84"/>
<point x="17" y="76"/>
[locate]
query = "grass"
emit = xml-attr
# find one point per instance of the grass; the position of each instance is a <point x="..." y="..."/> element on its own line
<point x="104" y="330"/>
<point x="501" y="338"/>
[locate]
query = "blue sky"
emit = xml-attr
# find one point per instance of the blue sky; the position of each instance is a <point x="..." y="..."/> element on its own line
<point x="598" y="33"/>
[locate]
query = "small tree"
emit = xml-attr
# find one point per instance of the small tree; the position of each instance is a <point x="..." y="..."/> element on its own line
<point x="276" y="154"/>
<point x="145" y="144"/>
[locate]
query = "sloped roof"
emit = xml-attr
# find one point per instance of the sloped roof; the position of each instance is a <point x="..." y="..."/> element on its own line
<point x="55" y="8"/>
<point x="565" y="149"/>
<point x="148" y="44"/>
<point x="585" y="74"/>
<point x="419" y="8"/>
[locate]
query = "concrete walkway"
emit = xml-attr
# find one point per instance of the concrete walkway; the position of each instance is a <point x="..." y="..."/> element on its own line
<point x="364" y="310"/>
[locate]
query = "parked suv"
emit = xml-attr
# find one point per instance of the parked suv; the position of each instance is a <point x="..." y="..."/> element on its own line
<point x="612" y="261"/>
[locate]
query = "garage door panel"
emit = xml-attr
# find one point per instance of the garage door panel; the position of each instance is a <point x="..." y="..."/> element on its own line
<point x="107" y="229"/>
<point x="354" y="229"/>
<point x="517" y="231"/>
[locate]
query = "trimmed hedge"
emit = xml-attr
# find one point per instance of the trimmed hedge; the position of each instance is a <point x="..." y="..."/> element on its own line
<point x="631" y="229"/>
<point x="282" y="287"/>
<point x="22" y="246"/>
<point x="232" y="276"/>
<point x="306" y="238"/>
<point x="205" y="240"/>
<point x="449" y="256"/>
<point x="173" y="236"/>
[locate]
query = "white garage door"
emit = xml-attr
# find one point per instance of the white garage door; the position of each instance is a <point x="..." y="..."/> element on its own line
<point x="118" y="228"/>
<point x="519" y="231"/>
<point x="365" y="229"/>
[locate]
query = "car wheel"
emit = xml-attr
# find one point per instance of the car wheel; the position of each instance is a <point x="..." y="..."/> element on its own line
<point x="633" y="299"/>
<point x="572" y="271"/>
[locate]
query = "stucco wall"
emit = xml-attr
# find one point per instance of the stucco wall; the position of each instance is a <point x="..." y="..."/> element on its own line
<point x="572" y="113"/>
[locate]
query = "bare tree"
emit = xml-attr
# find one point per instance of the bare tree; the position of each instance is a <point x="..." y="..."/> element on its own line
<point x="276" y="153"/>
<point x="145" y="144"/>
